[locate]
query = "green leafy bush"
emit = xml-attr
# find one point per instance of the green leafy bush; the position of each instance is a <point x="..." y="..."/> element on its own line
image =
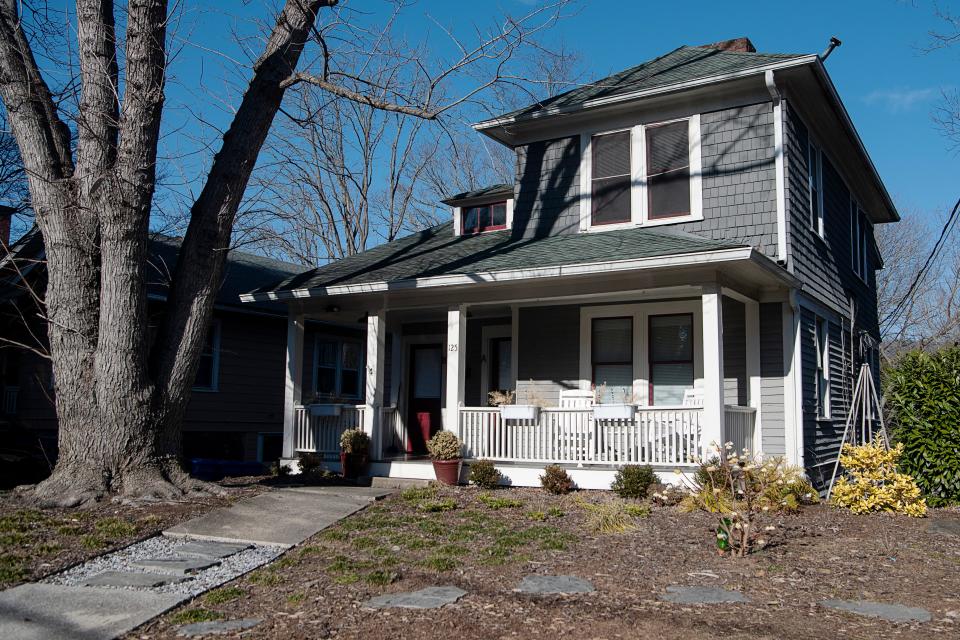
<point x="556" y="480"/>
<point x="444" y="445"/>
<point x="633" y="481"/>
<point x="309" y="463"/>
<point x="354" y="441"/>
<point x="484" y="474"/>
<point x="923" y="396"/>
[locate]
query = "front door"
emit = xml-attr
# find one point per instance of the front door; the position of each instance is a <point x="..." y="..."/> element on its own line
<point x="426" y="388"/>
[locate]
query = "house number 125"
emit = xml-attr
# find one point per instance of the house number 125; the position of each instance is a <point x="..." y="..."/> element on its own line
<point x="452" y="347"/>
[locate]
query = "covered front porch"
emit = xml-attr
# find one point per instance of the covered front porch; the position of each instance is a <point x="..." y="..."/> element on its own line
<point x="681" y="364"/>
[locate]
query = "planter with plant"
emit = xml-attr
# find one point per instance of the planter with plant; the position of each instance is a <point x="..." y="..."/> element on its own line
<point x="354" y="452"/>
<point x="511" y="411"/>
<point x="446" y="453"/>
<point x="603" y="410"/>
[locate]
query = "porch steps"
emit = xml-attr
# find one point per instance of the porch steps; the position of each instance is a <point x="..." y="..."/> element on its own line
<point x="379" y="482"/>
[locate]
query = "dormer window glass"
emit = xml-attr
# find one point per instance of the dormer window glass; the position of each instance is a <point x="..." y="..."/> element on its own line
<point x="668" y="170"/>
<point x="487" y="217"/>
<point x="610" y="178"/>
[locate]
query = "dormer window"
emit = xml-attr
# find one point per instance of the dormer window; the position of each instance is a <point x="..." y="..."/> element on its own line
<point x="486" y="217"/>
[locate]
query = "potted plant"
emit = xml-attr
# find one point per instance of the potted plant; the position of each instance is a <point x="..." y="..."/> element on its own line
<point x="624" y="410"/>
<point x="446" y="453"/>
<point x="354" y="451"/>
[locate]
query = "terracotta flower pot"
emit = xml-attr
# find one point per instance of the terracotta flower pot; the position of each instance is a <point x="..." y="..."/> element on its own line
<point x="448" y="471"/>
<point x="352" y="464"/>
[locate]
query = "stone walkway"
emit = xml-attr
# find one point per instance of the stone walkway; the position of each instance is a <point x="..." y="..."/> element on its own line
<point x="113" y="594"/>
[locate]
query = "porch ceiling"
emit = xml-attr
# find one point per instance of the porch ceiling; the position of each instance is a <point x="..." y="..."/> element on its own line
<point x="435" y="258"/>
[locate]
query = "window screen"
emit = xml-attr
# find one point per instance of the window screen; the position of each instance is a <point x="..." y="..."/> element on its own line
<point x="207" y="374"/>
<point x="337" y="369"/>
<point x="612" y="357"/>
<point x="327" y="351"/>
<point x="671" y="358"/>
<point x="668" y="170"/>
<point x="610" y="183"/>
<point x="485" y="218"/>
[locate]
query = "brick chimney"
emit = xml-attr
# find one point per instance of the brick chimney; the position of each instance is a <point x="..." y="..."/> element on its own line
<point x="737" y="45"/>
<point x="6" y="216"/>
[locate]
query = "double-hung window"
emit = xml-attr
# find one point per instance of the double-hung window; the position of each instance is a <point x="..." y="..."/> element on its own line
<point x="815" y="186"/>
<point x="668" y="170"/>
<point x="610" y="178"/>
<point x="208" y="371"/>
<point x="671" y="358"/>
<point x="337" y="368"/>
<point x="612" y="358"/>
<point x="487" y="217"/>
<point x="822" y="346"/>
<point x="859" y="241"/>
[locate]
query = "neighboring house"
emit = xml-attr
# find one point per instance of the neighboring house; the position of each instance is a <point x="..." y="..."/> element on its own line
<point x="693" y="236"/>
<point x="236" y="408"/>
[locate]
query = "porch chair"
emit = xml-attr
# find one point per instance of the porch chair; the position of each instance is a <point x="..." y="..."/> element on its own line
<point x="576" y="398"/>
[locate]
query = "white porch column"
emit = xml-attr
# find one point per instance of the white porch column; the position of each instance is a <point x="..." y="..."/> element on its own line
<point x="294" y="378"/>
<point x="752" y="317"/>
<point x="456" y="364"/>
<point x="376" y="352"/>
<point x="713" y="418"/>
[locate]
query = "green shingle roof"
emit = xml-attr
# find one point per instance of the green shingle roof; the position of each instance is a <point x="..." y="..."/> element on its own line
<point x="680" y="65"/>
<point x="437" y="252"/>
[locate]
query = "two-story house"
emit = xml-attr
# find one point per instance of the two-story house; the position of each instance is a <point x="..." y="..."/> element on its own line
<point x="686" y="256"/>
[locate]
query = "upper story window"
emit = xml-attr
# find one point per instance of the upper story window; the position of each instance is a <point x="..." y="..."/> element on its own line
<point x="337" y="368"/>
<point x="487" y="217"/>
<point x="208" y="371"/>
<point x="668" y="171"/>
<point x="860" y="230"/>
<point x="610" y="178"/>
<point x="646" y="175"/>
<point x="815" y="182"/>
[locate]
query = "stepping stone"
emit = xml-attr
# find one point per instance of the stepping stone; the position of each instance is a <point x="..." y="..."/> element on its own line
<point x="176" y="564"/>
<point x="701" y="595"/>
<point x="130" y="579"/>
<point x="888" y="612"/>
<point x="218" y="627"/>
<point x="948" y="527"/>
<point x="429" y="598"/>
<point x="211" y="549"/>
<point x="554" y="584"/>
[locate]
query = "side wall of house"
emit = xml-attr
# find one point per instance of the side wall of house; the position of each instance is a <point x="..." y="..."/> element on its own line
<point x="738" y="183"/>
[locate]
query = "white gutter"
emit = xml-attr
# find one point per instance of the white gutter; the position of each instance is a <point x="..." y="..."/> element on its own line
<point x="778" y="153"/>
<point x="510" y="275"/>
<point x="643" y="93"/>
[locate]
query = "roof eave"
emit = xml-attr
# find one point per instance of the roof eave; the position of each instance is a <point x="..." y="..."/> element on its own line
<point x="486" y="125"/>
<point x="533" y="273"/>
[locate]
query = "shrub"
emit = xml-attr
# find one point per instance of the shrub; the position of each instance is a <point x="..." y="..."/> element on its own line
<point x="556" y="480"/>
<point x="354" y="441"/>
<point x="484" y="474"/>
<point x="876" y="484"/>
<point x="923" y="398"/>
<point x="444" y="445"/>
<point x="632" y="481"/>
<point x="309" y="463"/>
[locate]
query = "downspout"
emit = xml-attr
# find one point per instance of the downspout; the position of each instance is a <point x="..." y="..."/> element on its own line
<point x="778" y="154"/>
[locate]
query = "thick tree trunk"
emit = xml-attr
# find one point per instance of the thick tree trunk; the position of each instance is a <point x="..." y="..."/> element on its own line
<point x="119" y="419"/>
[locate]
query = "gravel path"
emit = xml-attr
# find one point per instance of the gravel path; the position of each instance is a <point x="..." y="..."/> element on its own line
<point x="162" y="547"/>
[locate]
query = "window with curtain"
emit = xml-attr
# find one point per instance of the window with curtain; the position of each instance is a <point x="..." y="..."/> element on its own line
<point x="208" y="371"/>
<point x="337" y="368"/>
<point x="668" y="170"/>
<point x="610" y="178"/>
<point x="671" y="358"/>
<point x="489" y="217"/>
<point x="612" y="358"/>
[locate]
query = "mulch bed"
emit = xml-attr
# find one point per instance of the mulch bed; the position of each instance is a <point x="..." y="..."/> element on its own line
<point x="35" y="543"/>
<point x="487" y="546"/>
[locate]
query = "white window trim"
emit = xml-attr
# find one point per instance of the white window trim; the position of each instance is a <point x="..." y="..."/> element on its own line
<point x="822" y="345"/>
<point x="819" y="229"/>
<point x="457" y="212"/>
<point x="640" y="313"/>
<point x="488" y="333"/>
<point x="638" y="172"/>
<point x="338" y="370"/>
<point x="215" y="374"/>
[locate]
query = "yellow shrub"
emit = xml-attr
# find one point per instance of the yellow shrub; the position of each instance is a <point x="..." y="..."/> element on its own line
<point x="876" y="484"/>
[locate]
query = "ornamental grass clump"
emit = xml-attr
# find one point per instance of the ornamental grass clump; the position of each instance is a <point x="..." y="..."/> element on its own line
<point x="877" y="484"/>
<point x="444" y="445"/>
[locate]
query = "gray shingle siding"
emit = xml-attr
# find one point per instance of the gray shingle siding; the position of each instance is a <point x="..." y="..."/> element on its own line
<point x="547" y="189"/>
<point x="548" y="358"/>
<point x="772" y="379"/>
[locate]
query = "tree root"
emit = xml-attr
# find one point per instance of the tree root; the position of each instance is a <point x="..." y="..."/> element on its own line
<point x="68" y="486"/>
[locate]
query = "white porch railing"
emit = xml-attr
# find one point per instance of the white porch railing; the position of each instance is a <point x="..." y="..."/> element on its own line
<point x="321" y="434"/>
<point x="395" y="439"/>
<point x="738" y="428"/>
<point x="656" y="435"/>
